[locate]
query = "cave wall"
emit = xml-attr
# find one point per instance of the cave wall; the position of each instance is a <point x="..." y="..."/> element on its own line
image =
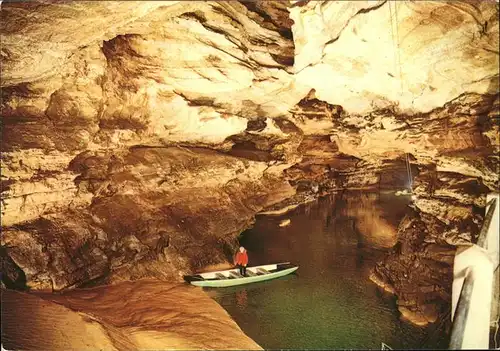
<point x="113" y="141"/>
<point x="142" y="138"/>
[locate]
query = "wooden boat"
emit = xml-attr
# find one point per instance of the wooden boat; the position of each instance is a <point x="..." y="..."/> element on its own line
<point x="232" y="277"/>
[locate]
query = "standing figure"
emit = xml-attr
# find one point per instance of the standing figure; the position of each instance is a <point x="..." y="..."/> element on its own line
<point x="241" y="260"/>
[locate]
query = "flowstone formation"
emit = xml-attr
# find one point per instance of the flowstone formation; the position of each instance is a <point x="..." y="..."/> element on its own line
<point x="140" y="138"/>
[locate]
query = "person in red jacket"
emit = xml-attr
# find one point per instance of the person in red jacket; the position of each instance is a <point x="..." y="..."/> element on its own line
<point x="241" y="260"/>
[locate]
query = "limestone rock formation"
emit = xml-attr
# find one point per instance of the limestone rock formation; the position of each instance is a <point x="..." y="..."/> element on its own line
<point x="139" y="138"/>
<point x="367" y="55"/>
<point x="115" y="138"/>
<point x="82" y="319"/>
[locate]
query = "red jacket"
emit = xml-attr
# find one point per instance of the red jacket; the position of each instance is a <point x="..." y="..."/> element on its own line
<point x="241" y="258"/>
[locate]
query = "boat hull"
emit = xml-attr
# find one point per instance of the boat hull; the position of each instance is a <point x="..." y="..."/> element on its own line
<point x="244" y="280"/>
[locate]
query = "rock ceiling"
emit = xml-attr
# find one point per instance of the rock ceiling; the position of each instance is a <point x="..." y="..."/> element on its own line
<point x="123" y="121"/>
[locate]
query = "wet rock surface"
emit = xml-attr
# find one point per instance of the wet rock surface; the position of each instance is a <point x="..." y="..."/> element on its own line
<point x="419" y="273"/>
<point x="199" y="198"/>
<point x="158" y="315"/>
<point x="144" y="144"/>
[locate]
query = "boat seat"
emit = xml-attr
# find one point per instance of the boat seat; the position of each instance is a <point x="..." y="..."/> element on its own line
<point x="250" y="273"/>
<point x="220" y="276"/>
<point x="190" y="278"/>
<point x="262" y="271"/>
<point x="235" y="275"/>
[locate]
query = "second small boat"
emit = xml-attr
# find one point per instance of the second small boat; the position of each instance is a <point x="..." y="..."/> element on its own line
<point x="232" y="277"/>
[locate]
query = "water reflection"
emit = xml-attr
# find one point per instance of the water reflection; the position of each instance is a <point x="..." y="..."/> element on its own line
<point x="330" y="303"/>
<point x="241" y="298"/>
<point x="336" y="225"/>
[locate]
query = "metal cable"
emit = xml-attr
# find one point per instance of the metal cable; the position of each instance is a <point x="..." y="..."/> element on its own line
<point x="408" y="172"/>
<point x="392" y="37"/>
<point x="495" y="336"/>
<point x="397" y="42"/>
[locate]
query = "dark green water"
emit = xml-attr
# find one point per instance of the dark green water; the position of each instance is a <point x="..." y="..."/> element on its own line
<point x="330" y="303"/>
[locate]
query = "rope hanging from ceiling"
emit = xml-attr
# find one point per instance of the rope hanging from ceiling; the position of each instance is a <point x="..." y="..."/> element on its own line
<point x="408" y="172"/>
<point x="395" y="42"/>
<point x="398" y="71"/>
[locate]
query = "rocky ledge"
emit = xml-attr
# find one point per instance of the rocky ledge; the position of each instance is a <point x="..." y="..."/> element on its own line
<point x="157" y="315"/>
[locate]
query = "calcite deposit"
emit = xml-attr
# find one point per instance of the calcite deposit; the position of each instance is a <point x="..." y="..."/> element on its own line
<point x="179" y="317"/>
<point x="140" y="138"/>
